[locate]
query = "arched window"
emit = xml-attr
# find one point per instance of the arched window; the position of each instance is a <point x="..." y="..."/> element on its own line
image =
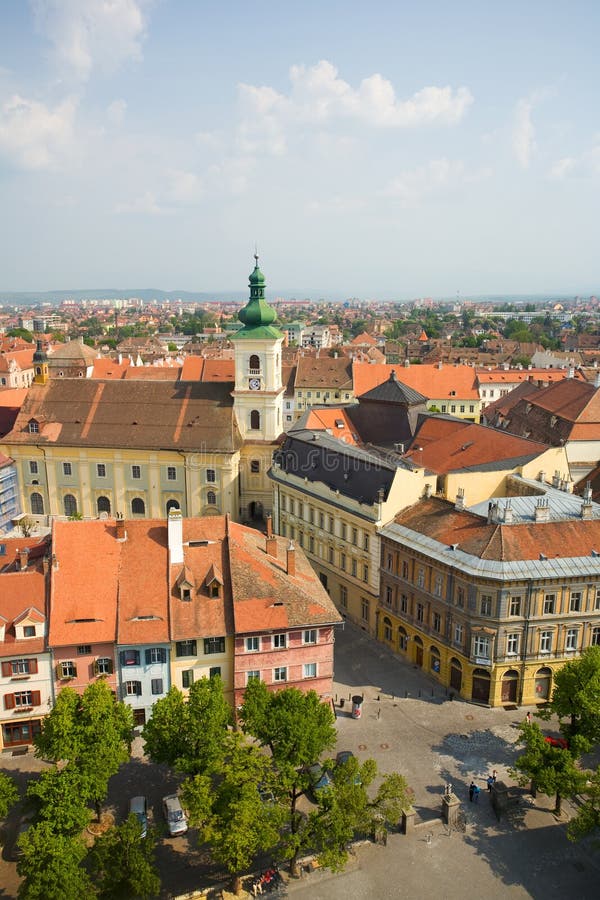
<point x="402" y="638"/>
<point x="211" y="498"/>
<point x="138" y="507"/>
<point x="70" y="505"/>
<point x="254" y="364"/>
<point x="37" y="504"/>
<point x="103" y="505"/>
<point x="172" y="504"/>
<point x="434" y="659"/>
<point x="387" y="629"/>
<point x="255" y="420"/>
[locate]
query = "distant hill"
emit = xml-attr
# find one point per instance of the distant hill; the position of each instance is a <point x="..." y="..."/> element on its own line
<point x="146" y="294"/>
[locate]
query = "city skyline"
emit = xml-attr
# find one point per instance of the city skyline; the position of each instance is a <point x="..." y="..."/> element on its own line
<point x="387" y="152"/>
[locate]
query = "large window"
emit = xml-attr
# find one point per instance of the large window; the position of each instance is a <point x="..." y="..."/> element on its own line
<point x="103" y="666"/>
<point x="138" y="507"/>
<point x="37" y="504"/>
<point x="67" y="468"/>
<point x="343" y="596"/>
<point x="481" y="646"/>
<point x="255" y="420"/>
<point x="103" y="505"/>
<point x="156" y="655"/>
<point x="514" y="608"/>
<point x="70" y="505"/>
<point x="136" y="472"/>
<point x="252" y="675"/>
<point x="512" y="644"/>
<point x="575" y="601"/>
<point x="549" y="604"/>
<point x="211" y="475"/>
<point x="15" y="667"/>
<point x="101" y="470"/>
<point x="364" y="609"/>
<point x="66" y="669"/>
<point x="211" y="498"/>
<point x="214" y="645"/>
<point x="279" y="641"/>
<point x="545" y="641"/>
<point x="486" y="604"/>
<point x="187" y="678"/>
<point x="252" y="644"/>
<point x="185" y="648"/>
<point x="280" y="673"/>
<point x="571" y="639"/>
<point x="33" y="467"/>
<point x="171" y="473"/>
<point x="310" y="670"/>
<point x="130" y="657"/>
<point x="310" y="636"/>
<point x="595" y="641"/>
<point x="133" y="688"/>
<point x="156" y="686"/>
<point x="459" y="634"/>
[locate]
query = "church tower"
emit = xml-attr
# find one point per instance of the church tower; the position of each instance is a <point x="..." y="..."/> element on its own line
<point x="40" y="365"/>
<point x="257" y="397"/>
<point x="258" y="392"/>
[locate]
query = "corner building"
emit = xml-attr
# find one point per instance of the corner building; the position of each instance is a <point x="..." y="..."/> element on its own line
<point x="494" y="599"/>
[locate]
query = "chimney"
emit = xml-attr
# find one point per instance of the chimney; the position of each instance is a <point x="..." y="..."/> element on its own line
<point x="120" y="528"/>
<point x="46" y="564"/>
<point x="542" y="510"/>
<point x="571" y="372"/>
<point x="597" y="380"/>
<point x="175" y="537"/>
<point x="542" y="476"/>
<point x="269" y="526"/>
<point x="23" y="556"/>
<point x="587" y="507"/>
<point x="291" y="559"/>
<point x="508" y="513"/>
<point x="460" y="499"/>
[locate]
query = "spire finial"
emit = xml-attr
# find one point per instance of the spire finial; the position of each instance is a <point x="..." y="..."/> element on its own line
<point x="256" y="254"/>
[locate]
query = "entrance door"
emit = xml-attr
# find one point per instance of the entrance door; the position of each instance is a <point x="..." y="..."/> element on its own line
<point x="543" y="679"/>
<point x="419" y="654"/>
<point x="510" y="680"/>
<point x="481" y="686"/>
<point x="455" y="675"/>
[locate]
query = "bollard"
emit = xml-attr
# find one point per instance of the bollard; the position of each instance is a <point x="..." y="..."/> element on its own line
<point x="432" y="692"/>
<point x="405" y="693"/>
<point x="419" y="692"/>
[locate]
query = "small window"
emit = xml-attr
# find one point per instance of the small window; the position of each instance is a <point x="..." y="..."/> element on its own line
<point x="545" y="641"/>
<point x="67" y="468"/>
<point x="133" y="688"/>
<point x="34" y="427"/>
<point x="420" y="612"/>
<point x="103" y="666"/>
<point x="37" y="504"/>
<point x="214" y="645"/>
<point x="344" y="596"/>
<point x="29" y="631"/>
<point x="187" y="678"/>
<point x="103" y="505"/>
<point x="136" y="472"/>
<point x="437" y="622"/>
<point x="255" y="466"/>
<point x="310" y="636"/>
<point x="571" y="639"/>
<point x="156" y="686"/>
<point x="101" y="470"/>
<point x="185" y="648"/>
<point x="512" y="644"/>
<point x="130" y="657"/>
<point x="486" y="604"/>
<point x="280" y="673"/>
<point x="84" y="649"/>
<point x="252" y="644"/>
<point x="67" y="669"/>
<point x="575" y="601"/>
<point x="515" y="606"/>
<point x="171" y="473"/>
<point x="214" y="671"/>
<point x="155" y="655"/>
<point x="279" y="641"/>
<point x="252" y="675"/>
<point x="365" y="577"/>
<point x="549" y="604"/>
<point x="595" y="641"/>
<point x="310" y="670"/>
<point x="211" y="498"/>
<point x="33" y="467"/>
<point x="365" y="609"/>
<point x="255" y="420"/>
<point x="70" y="505"/>
<point x="211" y="475"/>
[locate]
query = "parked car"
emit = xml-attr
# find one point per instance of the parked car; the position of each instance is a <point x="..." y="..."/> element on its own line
<point x="138" y="806"/>
<point x="319" y="777"/>
<point x="174" y="815"/>
<point x="561" y="743"/>
<point x="342" y="758"/>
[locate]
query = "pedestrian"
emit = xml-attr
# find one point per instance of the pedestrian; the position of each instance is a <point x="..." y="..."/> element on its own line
<point x="379" y="713"/>
<point x="494" y="773"/>
<point x="528" y="718"/>
<point x="471" y="791"/>
<point x="490" y="783"/>
<point x="475" y="794"/>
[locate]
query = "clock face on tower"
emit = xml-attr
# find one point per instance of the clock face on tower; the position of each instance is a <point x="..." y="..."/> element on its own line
<point x="254" y="384"/>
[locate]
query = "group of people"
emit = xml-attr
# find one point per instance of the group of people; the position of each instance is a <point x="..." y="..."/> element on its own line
<point x="474" y="790"/>
<point x="267" y="881"/>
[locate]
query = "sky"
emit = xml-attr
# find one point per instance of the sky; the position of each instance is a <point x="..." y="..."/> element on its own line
<point x="384" y="150"/>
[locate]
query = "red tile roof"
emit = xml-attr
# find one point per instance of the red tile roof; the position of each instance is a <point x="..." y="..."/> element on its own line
<point x="110" y="368"/>
<point x="192" y="368"/>
<point x="435" y="382"/>
<point x="335" y="421"/>
<point x="22" y="592"/>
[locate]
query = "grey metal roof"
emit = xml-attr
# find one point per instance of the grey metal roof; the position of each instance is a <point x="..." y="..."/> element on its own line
<point x="562" y="505"/>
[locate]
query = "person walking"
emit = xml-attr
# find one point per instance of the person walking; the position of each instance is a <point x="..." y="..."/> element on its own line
<point x="475" y="794"/>
<point x="490" y="783"/>
<point x="471" y="791"/>
<point x="528" y="718"/>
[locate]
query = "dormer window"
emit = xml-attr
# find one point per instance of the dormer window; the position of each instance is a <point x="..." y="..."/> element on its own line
<point x="34" y="426"/>
<point x="214" y="589"/>
<point x="186" y="594"/>
<point x="28" y="631"/>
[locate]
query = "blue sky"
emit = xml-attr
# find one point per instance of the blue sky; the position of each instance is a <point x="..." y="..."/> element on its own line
<point x="381" y="150"/>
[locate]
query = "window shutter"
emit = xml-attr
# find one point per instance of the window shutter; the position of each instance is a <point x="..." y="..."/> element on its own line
<point x="110" y="666"/>
<point x="33" y="666"/>
<point x="123" y="658"/>
<point x="163" y="655"/>
<point x="137" y="657"/>
<point x="35" y="698"/>
<point x="148" y="657"/>
<point x="9" y="701"/>
<point x="6" y="669"/>
<point x="95" y="667"/>
<point x="74" y="671"/>
<point x="58" y="671"/>
<point x="138" y="688"/>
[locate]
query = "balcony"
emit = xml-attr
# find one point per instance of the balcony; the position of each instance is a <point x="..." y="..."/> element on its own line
<point x="254" y="372"/>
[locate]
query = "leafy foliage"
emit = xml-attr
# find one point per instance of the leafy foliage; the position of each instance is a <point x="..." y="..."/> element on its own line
<point x="587" y="819"/>
<point x="189" y="734"/>
<point x="9" y="794"/>
<point x="551" y="768"/>
<point x="576" y="698"/>
<point x="123" y="863"/>
<point x="61" y="799"/>
<point x="51" y="866"/>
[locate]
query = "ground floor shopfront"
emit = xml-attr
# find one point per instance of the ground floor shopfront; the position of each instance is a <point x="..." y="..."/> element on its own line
<point x="491" y="682"/>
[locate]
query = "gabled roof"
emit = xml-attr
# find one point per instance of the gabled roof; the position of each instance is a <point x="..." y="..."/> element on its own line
<point x="324" y="372"/>
<point x="149" y="415"/>
<point x="109" y="368"/>
<point x="432" y="381"/>
<point x="364" y="338"/>
<point x="443" y="445"/>
<point x="393" y="391"/>
<point x="22" y="593"/>
<point x="334" y="420"/>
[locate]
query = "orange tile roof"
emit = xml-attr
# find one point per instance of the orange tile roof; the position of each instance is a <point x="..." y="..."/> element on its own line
<point x="23" y="359"/>
<point x="514" y="376"/>
<point x="333" y="420"/>
<point x="324" y="372"/>
<point x="110" y="368"/>
<point x="432" y="381"/>
<point x="364" y="338"/>
<point x="192" y="368"/>
<point x="152" y="373"/>
<point x="443" y="447"/>
<point x="219" y="370"/>
<point x="22" y="592"/>
<point x="12" y="398"/>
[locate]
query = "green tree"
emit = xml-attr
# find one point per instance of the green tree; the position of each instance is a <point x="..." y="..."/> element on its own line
<point x="123" y="863"/>
<point x="22" y="333"/>
<point x="9" y="794"/>
<point x="298" y="728"/>
<point x="587" y="819"/>
<point x="51" y="866"/>
<point x="552" y="769"/>
<point x="576" y="700"/>
<point x="189" y="734"/>
<point x="92" y="733"/>
<point x="171" y="347"/>
<point x="228" y="810"/>
<point x="61" y="799"/>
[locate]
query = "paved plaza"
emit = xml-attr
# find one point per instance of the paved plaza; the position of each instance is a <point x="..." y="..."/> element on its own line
<point x="408" y="725"/>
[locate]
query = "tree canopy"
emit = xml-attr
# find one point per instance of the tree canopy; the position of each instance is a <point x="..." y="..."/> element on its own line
<point x="123" y="863"/>
<point x="51" y="865"/>
<point x="553" y="769"/>
<point x="9" y="794"/>
<point x="576" y="700"/>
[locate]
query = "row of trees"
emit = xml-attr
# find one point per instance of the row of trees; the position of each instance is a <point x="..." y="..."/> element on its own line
<point x="86" y="738"/>
<point x="557" y="770"/>
<point x="242" y="788"/>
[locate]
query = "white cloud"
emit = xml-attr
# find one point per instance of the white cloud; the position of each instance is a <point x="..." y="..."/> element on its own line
<point x="562" y="167"/>
<point x="523" y="136"/>
<point x="116" y="111"/>
<point x="438" y="174"/>
<point x="318" y="94"/>
<point x="89" y="34"/>
<point x="146" y="204"/>
<point x="34" y="136"/>
<point x="183" y="188"/>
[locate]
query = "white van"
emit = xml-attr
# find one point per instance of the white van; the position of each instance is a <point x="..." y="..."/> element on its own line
<point x="137" y="806"/>
<point x="176" y="820"/>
